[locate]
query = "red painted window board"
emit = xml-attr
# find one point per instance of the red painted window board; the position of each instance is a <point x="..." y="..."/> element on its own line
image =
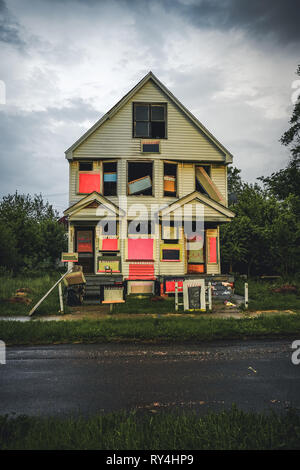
<point x="110" y="244"/>
<point x="89" y="182"/>
<point x="213" y="250"/>
<point x="140" y="248"/>
<point x="141" y="271"/>
<point x="170" y="286"/>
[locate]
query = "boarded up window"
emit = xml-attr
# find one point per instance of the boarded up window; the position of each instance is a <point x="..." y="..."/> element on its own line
<point x="110" y="178"/>
<point x="89" y="182"/>
<point x="108" y="264"/>
<point x="140" y="178"/>
<point x="170" y="179"/>
<point x="212" y="250"/>
<point x="172" y="255"/>
<point x="170" y="286"/>
<point x="170" y="252"/>
<point x="140" y="249"/>
<point x="141" y="271"/>
<point x="110" y="244"/>
<point x="205" y="185"/>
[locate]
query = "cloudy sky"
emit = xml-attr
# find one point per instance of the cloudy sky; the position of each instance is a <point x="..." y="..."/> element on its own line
<point x="66" y="62"/>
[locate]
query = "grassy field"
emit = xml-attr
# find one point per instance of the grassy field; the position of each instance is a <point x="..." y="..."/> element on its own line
<point x="145" y="304"/>
<point x="38" y="287"/>
<point x="135" y="329"/>
<point x="227" y="430"/>
<point x="260" y="294"/>
<point x="262" y="298"/>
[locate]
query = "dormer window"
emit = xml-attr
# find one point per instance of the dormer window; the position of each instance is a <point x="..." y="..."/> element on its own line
<point x="149" y="120"/>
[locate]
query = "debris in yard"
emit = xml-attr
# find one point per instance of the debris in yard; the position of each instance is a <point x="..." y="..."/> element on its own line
<point x="20" y="297"/>
<point x="253" y="370"/>
<point x="286" y="289"/>
<point x="222" y="289"/>
<point x="24" y="290"/>
<point x="229" y="304"/>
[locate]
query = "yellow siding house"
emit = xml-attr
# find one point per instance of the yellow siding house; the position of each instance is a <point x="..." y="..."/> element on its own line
<point x="147" y="194"/>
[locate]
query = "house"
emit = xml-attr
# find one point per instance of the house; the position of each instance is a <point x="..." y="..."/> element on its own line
<point x="147" y="194"/>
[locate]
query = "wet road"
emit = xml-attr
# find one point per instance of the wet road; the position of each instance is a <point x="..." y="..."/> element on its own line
<point x="64" y="379"/>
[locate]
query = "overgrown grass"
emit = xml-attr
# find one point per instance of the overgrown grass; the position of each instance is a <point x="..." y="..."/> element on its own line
<point x="261" y="296"/>
<point x="184" y="328"/>
<point x="38" y="287"/>
<point x="226" y="430"/>
<point x="145" y="304"/>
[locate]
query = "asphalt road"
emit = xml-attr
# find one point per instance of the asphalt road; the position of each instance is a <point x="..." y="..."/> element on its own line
<point x="84" y="379"/>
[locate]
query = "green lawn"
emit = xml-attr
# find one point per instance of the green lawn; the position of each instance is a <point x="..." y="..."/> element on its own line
<point x="146" y="304"/>
<point x="227" y="430"/>
<point x="38" y="287"/>
<point x="262" y="298"/>
<point x="135" y="329"/>
<point x="260" y="294"/>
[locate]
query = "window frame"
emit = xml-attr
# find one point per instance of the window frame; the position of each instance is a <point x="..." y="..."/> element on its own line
<point x="152" y="178"/>
<point x="149" y="104"/>
<point x="95" y="170"/>
<point x="102" y="168"/>
<point x="175" y="195"/>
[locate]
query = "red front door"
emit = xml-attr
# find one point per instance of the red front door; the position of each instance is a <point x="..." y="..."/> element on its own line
<point x="85" y="249"/>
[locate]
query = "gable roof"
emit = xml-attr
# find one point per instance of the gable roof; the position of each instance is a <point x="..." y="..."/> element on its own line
<point x="195" y="196"/>
<point x="94" y="196"/>
<point x="128" y="96"/>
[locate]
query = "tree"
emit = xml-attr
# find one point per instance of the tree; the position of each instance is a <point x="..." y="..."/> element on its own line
<point x="8" y="247"/>
<point x="245" y="241"/>
<point x="292" y="136"/>
<point x="33" y="225"/>
<point x="234" y="183"/>
<point x="287" y="180"/>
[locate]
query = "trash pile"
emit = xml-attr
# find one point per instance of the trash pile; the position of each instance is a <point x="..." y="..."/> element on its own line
<point x="222" y="290"/>
<point x="229" y="304"/>
<point x="285" y="289"/>
<point x="21" y="296"/>
<point x="75" y="287"/>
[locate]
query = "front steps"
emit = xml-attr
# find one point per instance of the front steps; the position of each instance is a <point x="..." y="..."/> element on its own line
<point x="92" y="287"/>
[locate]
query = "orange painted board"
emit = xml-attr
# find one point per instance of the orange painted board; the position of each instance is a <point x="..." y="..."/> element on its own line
<point x="196" y="268"/>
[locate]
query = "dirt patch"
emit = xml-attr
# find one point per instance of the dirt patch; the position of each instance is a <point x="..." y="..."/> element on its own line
<point x="271" y="312"/>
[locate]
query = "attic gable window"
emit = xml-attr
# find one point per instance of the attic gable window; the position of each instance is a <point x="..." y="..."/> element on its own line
<point x="149" y="120"/>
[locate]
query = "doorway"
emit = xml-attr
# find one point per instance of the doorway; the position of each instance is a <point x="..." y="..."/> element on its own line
<point x="85" y="248"/>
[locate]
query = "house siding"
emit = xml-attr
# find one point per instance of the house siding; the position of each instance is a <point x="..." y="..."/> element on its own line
<point x="185" y="144"/>
<point x="114" y="137"/>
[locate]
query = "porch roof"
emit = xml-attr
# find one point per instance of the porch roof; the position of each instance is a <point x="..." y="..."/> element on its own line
<point x="97" y="198"/>
<point x="217" y="211"/>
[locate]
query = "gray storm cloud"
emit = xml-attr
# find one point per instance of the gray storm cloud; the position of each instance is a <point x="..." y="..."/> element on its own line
<point x="231" y="62"/>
